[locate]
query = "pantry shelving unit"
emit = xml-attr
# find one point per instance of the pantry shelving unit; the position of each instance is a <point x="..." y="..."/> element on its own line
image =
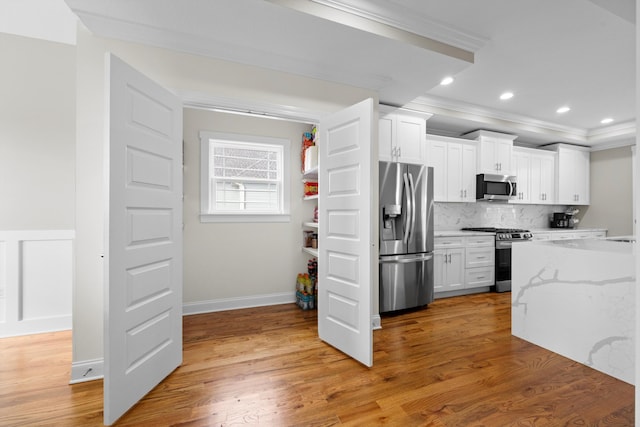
<point x="310" y="175"/>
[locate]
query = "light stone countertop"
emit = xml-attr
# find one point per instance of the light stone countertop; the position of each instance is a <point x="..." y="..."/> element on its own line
<point x="577" y="298"/>
<point x="460" y="233"/>
<point x="564" y="230"/>
<point x="593" y="245"/>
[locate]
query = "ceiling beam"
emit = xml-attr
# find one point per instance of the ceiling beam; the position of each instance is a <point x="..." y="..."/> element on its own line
<point x="359" y="22"/>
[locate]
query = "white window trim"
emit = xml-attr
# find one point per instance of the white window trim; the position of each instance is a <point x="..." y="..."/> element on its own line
<point x="285" y="216"/>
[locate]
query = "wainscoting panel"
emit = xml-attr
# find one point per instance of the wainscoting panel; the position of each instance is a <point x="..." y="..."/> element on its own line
<point x="36" y="280"/>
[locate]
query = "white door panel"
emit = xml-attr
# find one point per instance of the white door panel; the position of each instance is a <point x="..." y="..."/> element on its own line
<point x="345" y="242"/>
<point x="143" y="237"/>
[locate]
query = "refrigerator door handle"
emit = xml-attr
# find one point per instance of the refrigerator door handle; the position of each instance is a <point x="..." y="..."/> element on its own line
<point x="404" y="259"/>
<point x="413" y="207"/>
<point x="409" y="209"/>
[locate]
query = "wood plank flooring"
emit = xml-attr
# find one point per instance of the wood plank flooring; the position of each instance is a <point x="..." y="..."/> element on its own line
<point x="453" y="364"/>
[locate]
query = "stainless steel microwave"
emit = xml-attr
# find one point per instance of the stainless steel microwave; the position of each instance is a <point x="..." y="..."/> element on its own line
<point x="495" y="187"/>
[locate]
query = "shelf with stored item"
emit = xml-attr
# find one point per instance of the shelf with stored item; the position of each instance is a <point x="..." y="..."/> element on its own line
<point x="310" y="192"/>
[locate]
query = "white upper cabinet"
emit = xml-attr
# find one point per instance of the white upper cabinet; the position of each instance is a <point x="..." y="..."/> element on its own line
<point x="402" y="135"/>
<point x="571" y="174"/>
<point x="534" y="170"/>
<point x="495" y="151"/>
<point x="542" y="178"/>
<point x="454" y="174"/>
<point x="522" y="168"/>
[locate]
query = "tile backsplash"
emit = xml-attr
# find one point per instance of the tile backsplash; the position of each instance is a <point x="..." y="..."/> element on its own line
<point x="454" y="216"/>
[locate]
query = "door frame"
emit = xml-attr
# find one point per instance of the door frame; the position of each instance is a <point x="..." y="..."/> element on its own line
<point x="199" y="100"/>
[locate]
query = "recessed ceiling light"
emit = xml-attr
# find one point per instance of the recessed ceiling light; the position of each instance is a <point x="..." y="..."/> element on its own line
<point x="446" y="81"/>
<point x="606" y="121"/>
<point x="506" y="95"/>
<point x="563" y="110"/>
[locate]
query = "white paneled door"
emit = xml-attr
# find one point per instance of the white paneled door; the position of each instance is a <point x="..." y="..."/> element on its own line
<point x="345" y="243"/>
<point x="143" y="254"/>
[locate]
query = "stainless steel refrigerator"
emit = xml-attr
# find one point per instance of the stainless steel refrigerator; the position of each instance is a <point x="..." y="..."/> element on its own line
<point x="406" y="236"/>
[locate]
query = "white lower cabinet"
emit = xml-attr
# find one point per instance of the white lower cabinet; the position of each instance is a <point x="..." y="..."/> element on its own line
<point x="480" y="255"/>
<point x="463" y="263"/>
<point x="448" y="264"/>
<point x="448" y="268"/>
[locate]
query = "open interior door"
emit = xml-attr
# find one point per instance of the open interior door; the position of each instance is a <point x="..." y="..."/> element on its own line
<point x="143" y="254"/>
<point x="345" y="232"/>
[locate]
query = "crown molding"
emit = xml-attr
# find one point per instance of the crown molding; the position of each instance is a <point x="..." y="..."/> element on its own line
<point x="618" y="131"/>
<point x="610" y="136"/>
<point x="398" y="16"/>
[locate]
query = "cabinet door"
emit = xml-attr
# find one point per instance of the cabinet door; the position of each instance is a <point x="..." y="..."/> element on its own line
<point x="468" y="173"/>
<point x="455" y="269"/>
<point x="547" y="179"/>
<point x="573" y="177"/>
<point x="486" y="159"/>
<point x="455" y="191"/>
<point x="503" y="156"/>
<point x="479" y="277"/>
<point x="581" y="162"/>
<point x="566" y="177"/>
<point x="385" y="138"/>
<point x="438" y="160"/>
<point x="522" y="166"/>
<point x="439" y="267"/>
<point x="410" y="136"/>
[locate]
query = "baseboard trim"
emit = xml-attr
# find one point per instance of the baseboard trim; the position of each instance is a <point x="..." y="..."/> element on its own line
<point x="460" y="292"/>
<point x="237" y="303"/>
<point x="376" y="322"/>
<point x="87" y="370"/>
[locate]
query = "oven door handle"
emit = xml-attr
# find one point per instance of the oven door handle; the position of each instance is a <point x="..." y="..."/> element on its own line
<point x="501" y="244"/>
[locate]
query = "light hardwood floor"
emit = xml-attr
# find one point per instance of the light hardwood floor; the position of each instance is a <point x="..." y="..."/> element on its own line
<point x="453" y="364"/>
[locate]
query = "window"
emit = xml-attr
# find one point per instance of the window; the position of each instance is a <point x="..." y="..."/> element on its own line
<point x="244" y="178"/>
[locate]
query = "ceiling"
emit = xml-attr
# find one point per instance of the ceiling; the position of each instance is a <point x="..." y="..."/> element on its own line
<point x="549" y="53"/>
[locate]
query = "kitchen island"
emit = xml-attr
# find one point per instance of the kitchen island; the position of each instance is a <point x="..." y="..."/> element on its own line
<point x="577" y="298"/>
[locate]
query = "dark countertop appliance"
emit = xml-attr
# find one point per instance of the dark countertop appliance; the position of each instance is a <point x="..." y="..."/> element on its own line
<point x="504" y="238"/>
<point x="564" y="219"/>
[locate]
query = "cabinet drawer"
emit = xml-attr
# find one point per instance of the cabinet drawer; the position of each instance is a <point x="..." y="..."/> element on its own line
<point x="448" y="242"/>
<point x="479" y="277"/>
<point x="474" y="241"/>
<point x="479" y="257"/>
<point x="541" y="236"/>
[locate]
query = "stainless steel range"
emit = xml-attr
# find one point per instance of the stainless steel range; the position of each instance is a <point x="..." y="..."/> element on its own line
<point x="504" y="239"/>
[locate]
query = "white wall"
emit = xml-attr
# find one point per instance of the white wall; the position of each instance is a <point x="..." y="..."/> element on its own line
<point x="183" y="73"/>
<point x="241" y="262"/>
<point x="37" y="134"/>
<point x="36" y="276"/>
<point x="611" y="192"/>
